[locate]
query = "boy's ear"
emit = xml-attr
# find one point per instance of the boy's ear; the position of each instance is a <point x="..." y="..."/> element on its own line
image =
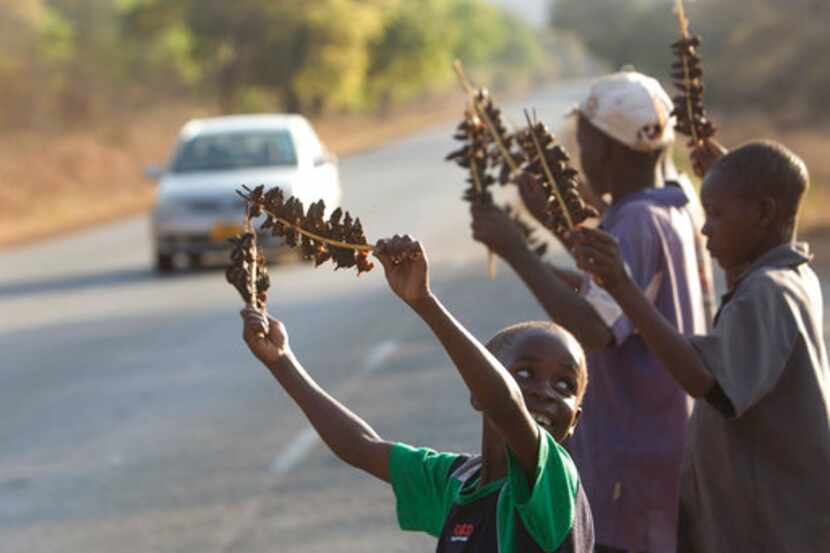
<point x="577" y="415"/>
<point x="475" y="403"/>
<point x="767" y="211"/>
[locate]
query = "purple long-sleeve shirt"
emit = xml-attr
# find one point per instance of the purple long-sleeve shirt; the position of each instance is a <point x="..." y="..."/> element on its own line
<point x="630" y="440"/>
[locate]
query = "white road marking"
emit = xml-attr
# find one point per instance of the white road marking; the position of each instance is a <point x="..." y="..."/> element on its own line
<point x="301" y="445"/>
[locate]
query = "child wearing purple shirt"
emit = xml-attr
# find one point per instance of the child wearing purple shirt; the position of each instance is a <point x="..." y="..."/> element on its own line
<point x="630" y="443"/>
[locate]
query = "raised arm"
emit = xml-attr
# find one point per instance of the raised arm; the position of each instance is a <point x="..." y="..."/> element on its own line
<point x="346" y="434"/>
<point x="598" y="253"/>
<point x="493" y="227"/>
<point x="494" y="389"/>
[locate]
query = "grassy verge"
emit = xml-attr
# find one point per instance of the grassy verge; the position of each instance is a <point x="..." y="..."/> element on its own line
<point x="53" y="184"/>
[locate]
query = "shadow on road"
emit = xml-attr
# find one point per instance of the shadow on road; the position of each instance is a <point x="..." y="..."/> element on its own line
<point x="106" y="279"/>
<point x="125" y="277"/>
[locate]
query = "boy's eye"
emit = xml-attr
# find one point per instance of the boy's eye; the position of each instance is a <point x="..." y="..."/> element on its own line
<point x="524" y="373"/>
<point x="565" y="386"/>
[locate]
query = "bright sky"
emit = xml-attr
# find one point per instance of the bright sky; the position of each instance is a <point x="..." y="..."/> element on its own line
<point x="534" y="11"/>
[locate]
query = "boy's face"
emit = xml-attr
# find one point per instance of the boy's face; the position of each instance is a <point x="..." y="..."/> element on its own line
<point x="733" y="226"/>
<point x="591" y="155"/>
<point x="549" y="368"/>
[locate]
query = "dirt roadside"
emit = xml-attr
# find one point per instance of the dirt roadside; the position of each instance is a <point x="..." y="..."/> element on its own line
<point x="55" y="184"/>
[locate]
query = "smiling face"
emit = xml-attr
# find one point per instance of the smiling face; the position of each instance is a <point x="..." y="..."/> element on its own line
<point x="549" y="366"/>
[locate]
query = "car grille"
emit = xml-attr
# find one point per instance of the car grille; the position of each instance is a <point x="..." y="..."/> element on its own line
<point x="215" y="205"/>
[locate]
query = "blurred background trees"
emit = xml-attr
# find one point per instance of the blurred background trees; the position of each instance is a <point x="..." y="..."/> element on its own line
<point x="759" y="55"/>
<point x="92" y="90"/>
<point x="70" y="62"/>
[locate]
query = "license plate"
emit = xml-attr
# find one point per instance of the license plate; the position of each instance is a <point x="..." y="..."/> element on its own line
<point x="223" y="231"/>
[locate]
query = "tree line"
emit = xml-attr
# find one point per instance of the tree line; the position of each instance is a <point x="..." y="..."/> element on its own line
<point x="68" y="61"/>
<point x="759" y="55"/>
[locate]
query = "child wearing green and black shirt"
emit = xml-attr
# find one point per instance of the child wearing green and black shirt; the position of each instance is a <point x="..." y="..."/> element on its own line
<point x="522" y="493"/>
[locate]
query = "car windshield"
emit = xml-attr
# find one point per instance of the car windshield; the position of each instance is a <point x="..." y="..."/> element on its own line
<point x="236" y="150"/>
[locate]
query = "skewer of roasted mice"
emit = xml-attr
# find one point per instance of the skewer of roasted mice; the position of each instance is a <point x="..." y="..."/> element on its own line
<point x="548" y="163"/>
<point x="474" y="156"/>
<point x="339" y="238"/>
<point x="248" y="269"/>
<point x="500" y="143"/>
<point x="687" y="73"/>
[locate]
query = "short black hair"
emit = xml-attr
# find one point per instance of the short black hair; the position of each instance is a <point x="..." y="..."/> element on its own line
<point x="767" y="169"/>
<point x="499" y="344"/>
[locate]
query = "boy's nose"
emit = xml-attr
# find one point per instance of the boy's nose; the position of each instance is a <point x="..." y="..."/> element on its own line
<point x="543" y="390"/>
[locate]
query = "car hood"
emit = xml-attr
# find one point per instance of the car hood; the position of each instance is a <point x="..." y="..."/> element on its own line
<point x="214" y="183"/>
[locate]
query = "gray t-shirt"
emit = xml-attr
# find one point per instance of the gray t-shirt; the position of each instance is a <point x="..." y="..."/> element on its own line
<point x="756" y="475"/>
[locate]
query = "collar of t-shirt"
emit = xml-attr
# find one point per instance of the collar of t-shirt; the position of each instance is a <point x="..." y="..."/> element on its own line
<point x="667" y="196"/>
<point x="471" y="490"/>
<point x="781" y="257"/>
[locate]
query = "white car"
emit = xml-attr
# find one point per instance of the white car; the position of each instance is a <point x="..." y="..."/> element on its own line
<point x="197" y="209"/>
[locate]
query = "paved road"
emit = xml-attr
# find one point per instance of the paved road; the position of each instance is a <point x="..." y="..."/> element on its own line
<point x="133" y="419"/>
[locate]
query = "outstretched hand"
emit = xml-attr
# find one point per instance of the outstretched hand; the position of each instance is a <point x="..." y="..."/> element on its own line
<point x="598" y="253"/>
<point x="405" y="265"/>
<point x="705" y="155"/>
<point x="266" y="337"/>
<point x="494" y="228"/>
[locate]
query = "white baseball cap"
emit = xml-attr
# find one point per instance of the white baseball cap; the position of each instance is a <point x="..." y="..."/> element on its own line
<point x="631" y="108"/>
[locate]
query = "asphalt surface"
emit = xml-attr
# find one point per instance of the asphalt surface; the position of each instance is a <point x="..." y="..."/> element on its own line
<point x="132" y="417"/>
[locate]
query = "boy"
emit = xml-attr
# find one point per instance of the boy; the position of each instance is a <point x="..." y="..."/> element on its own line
<point x="755" y="477"/>
<point x="522" y="494"/>
<point x="629" y="446"/>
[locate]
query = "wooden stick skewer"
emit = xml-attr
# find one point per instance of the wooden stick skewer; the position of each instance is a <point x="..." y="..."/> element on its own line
<point x="318" y="238"/>
<point x="680" y="12"/>
<point x="548" y="173"/>
<point x="249" y="227"/>
<point x="482" y="113"/>
<point x="491" y="257"/>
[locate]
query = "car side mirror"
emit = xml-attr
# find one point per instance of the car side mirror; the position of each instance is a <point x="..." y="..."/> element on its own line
<point x="153" y="172"/>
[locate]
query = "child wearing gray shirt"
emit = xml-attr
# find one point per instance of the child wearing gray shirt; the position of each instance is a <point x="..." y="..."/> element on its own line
<point x="755" y="476"/>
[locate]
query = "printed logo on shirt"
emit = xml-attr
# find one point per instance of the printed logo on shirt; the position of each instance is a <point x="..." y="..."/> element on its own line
<point x="462" y="532"/>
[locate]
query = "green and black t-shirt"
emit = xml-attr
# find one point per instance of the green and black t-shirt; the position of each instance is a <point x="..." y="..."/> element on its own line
<point x="439" y="493"/>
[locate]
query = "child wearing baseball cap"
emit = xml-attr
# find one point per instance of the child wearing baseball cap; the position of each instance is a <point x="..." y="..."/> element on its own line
<point x="754" y="477"/>
<point x="630" y="444"/>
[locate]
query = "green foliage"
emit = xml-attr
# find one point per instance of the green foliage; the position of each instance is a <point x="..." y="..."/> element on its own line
<point x="413" y="53"/>
<point x="337" y="57"/>
<point x="630" y="32"/>
<point x="482" y="31"/>
<point x="74" y="60"/>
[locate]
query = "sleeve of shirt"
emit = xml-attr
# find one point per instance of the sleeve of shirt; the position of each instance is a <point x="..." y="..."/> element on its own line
<point x="421" y="481"/>
<point x="750" y="346"/>
<point x="546" y="506"/>
<point x="640" y="247"/>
